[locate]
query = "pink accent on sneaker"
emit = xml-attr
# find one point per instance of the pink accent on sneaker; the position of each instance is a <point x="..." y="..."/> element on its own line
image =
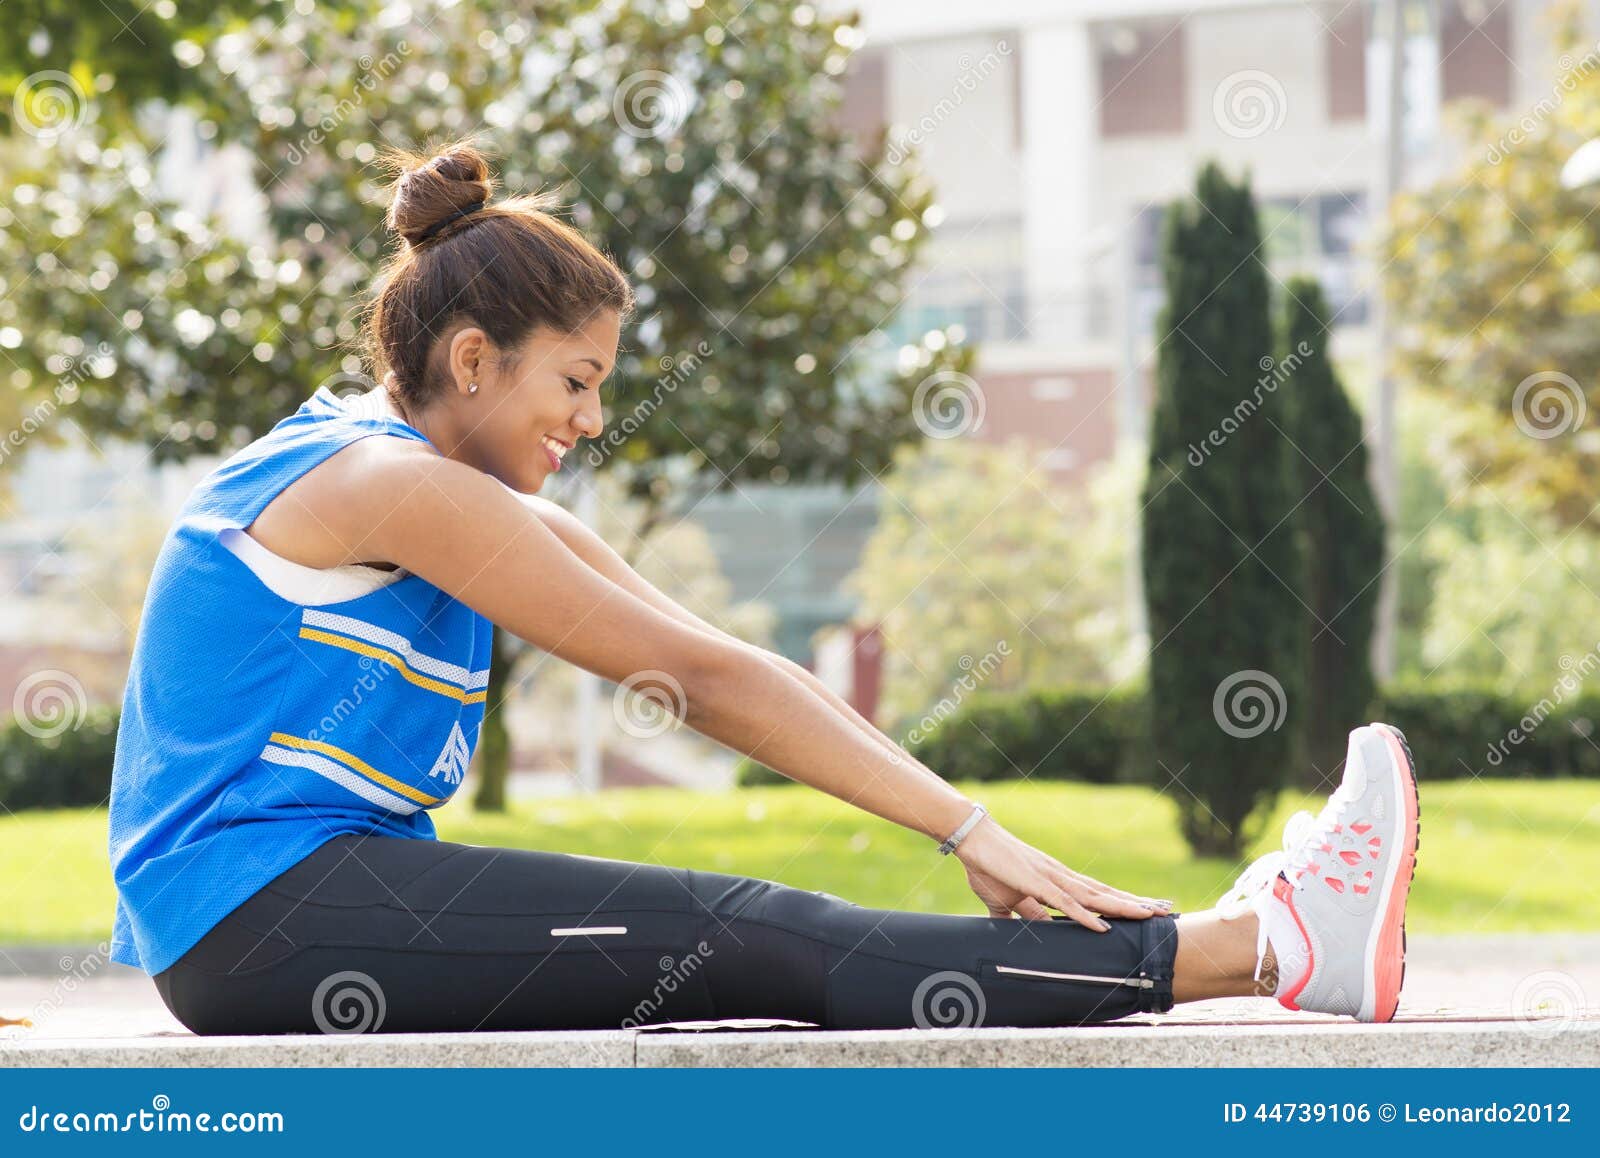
<point x="1350" y="857"/>
<point x="1389" y="966"/>
<point x="1361" y="829"/>
<point x="1335" y="884"/>
<point x="1289" y="989"/>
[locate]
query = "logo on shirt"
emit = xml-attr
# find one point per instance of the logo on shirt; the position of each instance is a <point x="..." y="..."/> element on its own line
<point x="453" y="759"/>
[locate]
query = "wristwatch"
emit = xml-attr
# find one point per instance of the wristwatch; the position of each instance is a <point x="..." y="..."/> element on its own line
<point x="948" y="845"/>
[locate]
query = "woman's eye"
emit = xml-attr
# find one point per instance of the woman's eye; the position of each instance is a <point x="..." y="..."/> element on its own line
<point x="576" y="384"/>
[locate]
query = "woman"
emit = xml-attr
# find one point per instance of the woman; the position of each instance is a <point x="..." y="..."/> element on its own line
<point x="308" y="684"/>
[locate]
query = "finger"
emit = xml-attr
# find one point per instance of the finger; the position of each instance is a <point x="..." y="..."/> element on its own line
<point x="1121" y="894"/>
<point x="1031" y="910"/>
<point x="1113" y="906"/>
<point x="1062" y="901"/>
<point x="1098" y="902"/>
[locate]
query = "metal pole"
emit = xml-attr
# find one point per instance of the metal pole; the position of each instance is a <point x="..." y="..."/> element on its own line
<point x="1385" y="458"/>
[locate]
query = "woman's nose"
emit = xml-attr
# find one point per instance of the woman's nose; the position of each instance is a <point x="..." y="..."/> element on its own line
<point x="590" y="421"/>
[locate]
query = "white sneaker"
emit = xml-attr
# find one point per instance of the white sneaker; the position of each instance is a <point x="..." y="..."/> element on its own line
<point x="1333" y="902"/>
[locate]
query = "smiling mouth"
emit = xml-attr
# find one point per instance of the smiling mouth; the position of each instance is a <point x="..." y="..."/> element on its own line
<point x="556" y="449"/>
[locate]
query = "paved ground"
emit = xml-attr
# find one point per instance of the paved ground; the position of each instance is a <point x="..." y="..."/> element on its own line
<point x="1520" y="1001"/>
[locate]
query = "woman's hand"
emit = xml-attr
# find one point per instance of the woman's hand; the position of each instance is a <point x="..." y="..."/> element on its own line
<point x="1011" y="876"/>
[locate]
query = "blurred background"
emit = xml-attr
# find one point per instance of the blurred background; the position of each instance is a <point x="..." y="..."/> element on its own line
<point x="1115" y="401"/>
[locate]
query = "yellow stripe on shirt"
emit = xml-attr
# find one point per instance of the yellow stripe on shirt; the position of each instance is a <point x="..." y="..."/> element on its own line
<point x="357" y="763"/>
<point x="396" y="662"/>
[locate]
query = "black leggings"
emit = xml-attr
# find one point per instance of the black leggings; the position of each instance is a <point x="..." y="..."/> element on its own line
<point x="386" y="934"/>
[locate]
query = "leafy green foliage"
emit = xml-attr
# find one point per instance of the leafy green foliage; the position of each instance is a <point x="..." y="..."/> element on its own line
<point x="1493" y="270"/>
<point x="983" y="570"/>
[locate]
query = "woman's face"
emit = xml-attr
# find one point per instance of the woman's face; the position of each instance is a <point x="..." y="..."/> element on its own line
<point x="534" y="406"/>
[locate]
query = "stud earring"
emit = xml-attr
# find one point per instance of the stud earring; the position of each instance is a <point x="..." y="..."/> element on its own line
<point x="472" y="387"/>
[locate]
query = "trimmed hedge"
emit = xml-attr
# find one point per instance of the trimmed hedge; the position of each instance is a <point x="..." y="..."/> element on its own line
<point x="72" y="770"/>
<point x="1101" y="737"/>
<point x="1468" y="732"/>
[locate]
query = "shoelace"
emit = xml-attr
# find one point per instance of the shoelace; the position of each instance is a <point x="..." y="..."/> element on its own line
<point x="1302" y="835"/>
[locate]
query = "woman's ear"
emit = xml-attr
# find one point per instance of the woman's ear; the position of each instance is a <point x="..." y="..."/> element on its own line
<point x="469" y="349"/>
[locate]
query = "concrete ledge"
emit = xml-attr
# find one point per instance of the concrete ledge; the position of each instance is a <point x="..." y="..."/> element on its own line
<point x="599" y="1049"/>
<point x="1130" y="1045"/>
<point x="1411" y="1043"/>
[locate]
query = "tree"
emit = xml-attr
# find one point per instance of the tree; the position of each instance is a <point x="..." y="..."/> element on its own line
<point x="1492" y="273"/>
<point x="701" y="149"/>
<point x="1344" y="535"/>
<point x="977" y="549"/>
<point x="1223" y="564"/>
<point x="57" y="55"/>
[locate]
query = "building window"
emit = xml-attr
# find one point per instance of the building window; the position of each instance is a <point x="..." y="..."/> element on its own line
<point x="1475" y="51"/>
<point x="1142" y="78"/>
<point x="1344" y="38"/>
<point x="863" y="111"/>
<point x="1315" y="235"/>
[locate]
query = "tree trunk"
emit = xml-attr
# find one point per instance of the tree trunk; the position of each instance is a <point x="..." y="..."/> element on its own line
<point x="494" y="742"/>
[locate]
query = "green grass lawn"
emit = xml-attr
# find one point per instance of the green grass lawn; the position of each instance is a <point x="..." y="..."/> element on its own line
<point x="1496" y="856"/>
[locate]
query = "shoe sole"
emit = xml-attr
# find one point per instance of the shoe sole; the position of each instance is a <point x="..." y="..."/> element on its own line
<point x="1386" y="951"/>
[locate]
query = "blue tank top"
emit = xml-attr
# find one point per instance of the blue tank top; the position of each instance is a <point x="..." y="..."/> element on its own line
<point x="255" y="728"/>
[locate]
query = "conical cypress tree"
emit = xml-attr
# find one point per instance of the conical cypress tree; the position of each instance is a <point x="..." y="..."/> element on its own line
<point x="1344" y="537"/>
<point x="1223" y="562"/>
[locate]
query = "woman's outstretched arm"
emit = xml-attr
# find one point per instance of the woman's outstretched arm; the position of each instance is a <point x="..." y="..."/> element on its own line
<point x="468" y="535"/>
<point x="600" y="555"/>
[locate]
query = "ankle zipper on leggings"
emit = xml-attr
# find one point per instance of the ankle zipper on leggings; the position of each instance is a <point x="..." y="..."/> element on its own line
<point x="1137" y="982"/>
